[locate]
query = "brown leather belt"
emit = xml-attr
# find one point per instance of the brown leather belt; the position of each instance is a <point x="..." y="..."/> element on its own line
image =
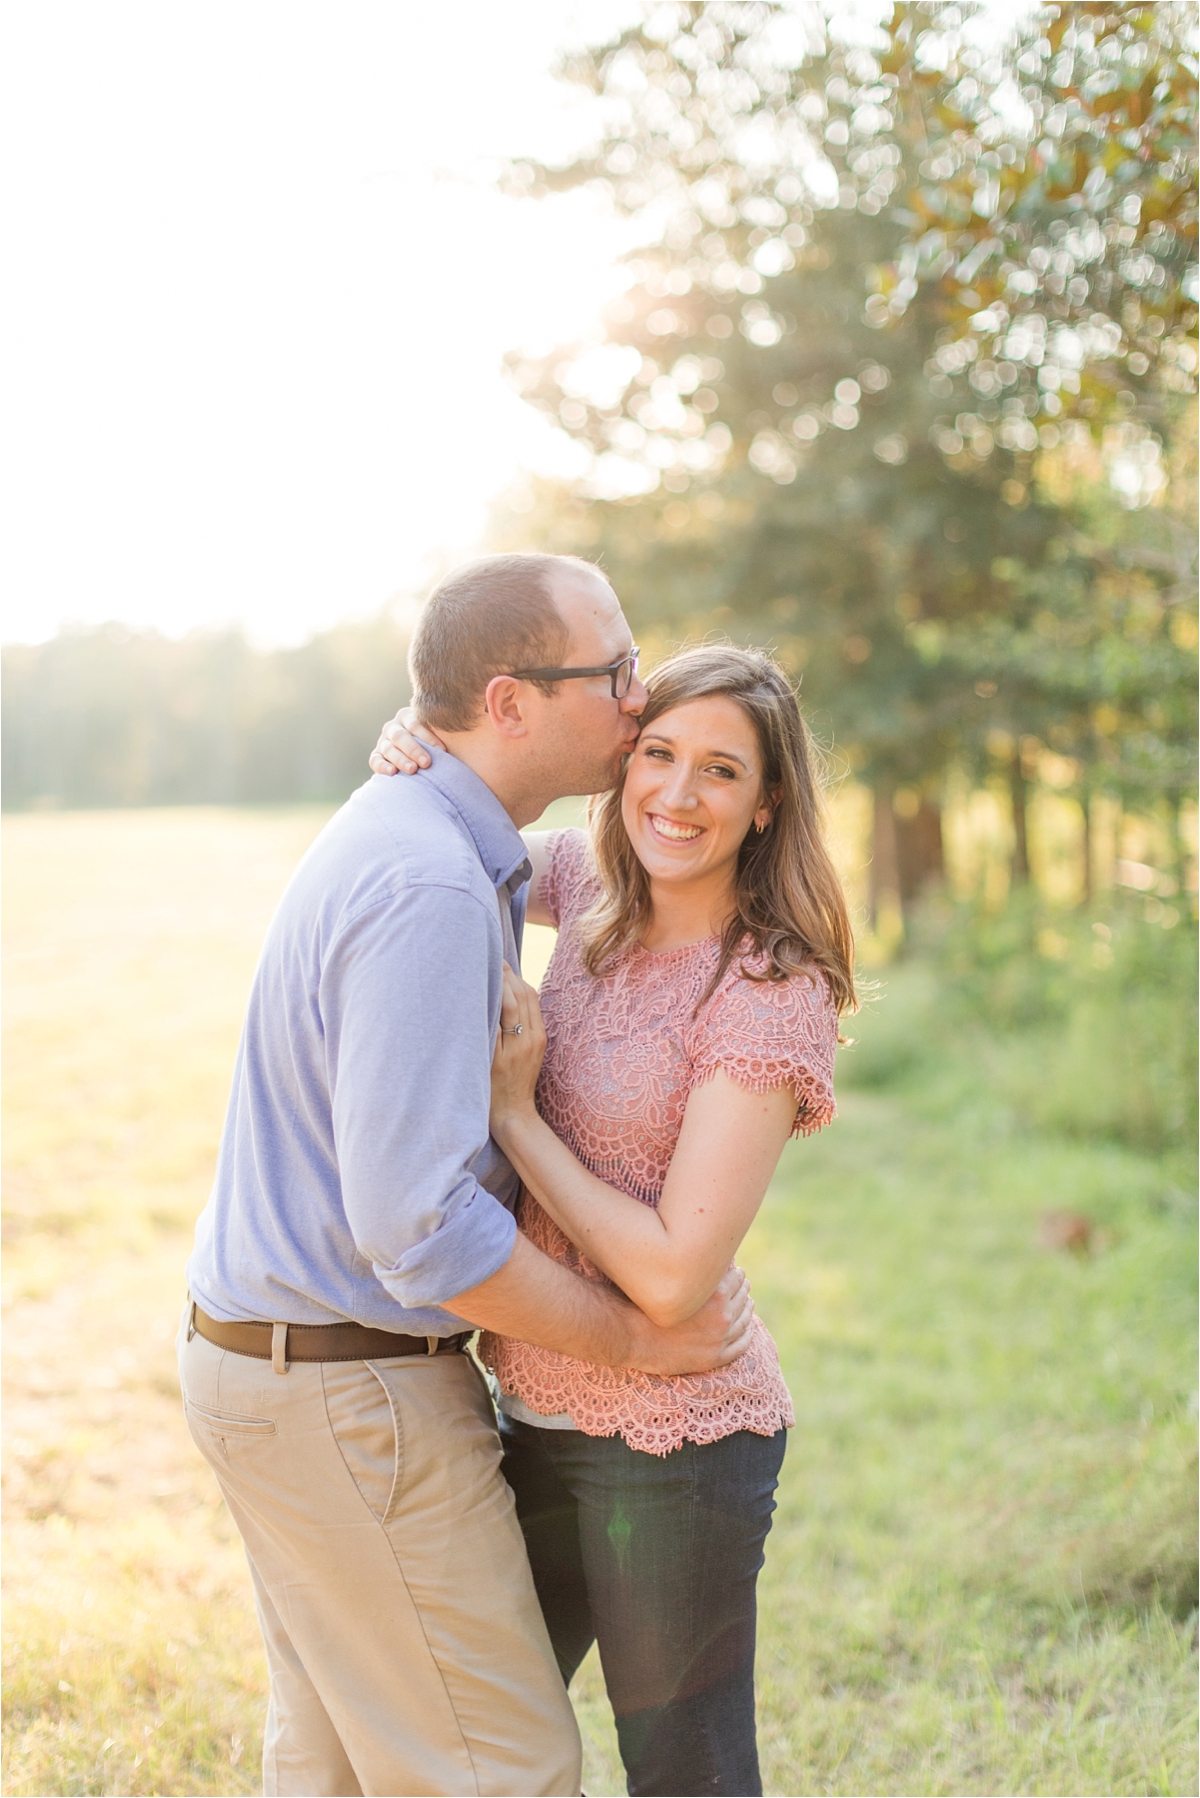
<point x="281" y="1343"/>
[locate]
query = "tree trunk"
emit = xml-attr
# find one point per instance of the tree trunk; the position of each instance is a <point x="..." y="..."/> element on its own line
<point x="1019" y="788"/>
<point x="1089" y="889"/>
<point x="885" y="867"/>
<point x="919" y="855"/>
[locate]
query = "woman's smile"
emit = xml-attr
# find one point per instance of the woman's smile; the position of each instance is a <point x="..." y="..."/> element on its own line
<point x="673" y="832"/>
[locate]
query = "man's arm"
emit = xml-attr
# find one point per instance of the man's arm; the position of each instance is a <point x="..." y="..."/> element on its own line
<point x="538" y="1300"/>
<point x="410" y="1003"/>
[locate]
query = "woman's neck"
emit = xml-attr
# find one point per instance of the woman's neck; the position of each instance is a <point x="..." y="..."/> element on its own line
<point x="688" y="913"/>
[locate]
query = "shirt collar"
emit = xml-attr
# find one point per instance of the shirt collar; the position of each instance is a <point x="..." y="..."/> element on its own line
<point x="495" y="836"/>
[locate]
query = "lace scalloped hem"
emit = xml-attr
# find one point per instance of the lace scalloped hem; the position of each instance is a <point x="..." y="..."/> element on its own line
<point x="815" y="1105"/>
<point x="653" y="1437"/>
<point x="550" y="1385"/>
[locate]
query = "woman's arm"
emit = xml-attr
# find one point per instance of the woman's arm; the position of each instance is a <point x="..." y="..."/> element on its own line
<point x="399" y="751"/>
<point x="668" y="1260"/>
<point x="537" y="846"/>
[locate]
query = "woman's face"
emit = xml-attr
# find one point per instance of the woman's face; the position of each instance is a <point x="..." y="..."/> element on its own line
<point x="693" y="788"/>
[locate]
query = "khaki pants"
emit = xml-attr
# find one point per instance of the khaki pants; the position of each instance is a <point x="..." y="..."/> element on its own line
<point x="407" y="1652"/>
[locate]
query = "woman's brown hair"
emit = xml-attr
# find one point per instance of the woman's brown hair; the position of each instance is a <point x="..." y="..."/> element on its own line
<point x="788" y="903"/>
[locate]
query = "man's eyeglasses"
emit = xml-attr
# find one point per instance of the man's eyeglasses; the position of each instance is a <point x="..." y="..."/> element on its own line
<point x="619" y="673"/>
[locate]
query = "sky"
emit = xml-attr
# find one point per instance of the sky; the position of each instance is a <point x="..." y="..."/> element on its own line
<point x="261" y="285"/>
<point x="260" y="292"/>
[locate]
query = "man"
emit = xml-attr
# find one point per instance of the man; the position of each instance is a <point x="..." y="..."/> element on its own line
<point x="360" y="1226"/>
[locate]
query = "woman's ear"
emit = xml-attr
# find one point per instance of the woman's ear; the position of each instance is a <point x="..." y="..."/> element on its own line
<point x="766" y="811"/>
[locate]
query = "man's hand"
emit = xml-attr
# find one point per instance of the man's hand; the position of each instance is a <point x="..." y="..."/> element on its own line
<point x="712" y="1337"/>
<point x="541" y="1301"/>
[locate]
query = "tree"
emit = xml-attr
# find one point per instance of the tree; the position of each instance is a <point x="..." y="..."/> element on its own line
<point x="115" y="717"/>
<point x="858" y="328"/>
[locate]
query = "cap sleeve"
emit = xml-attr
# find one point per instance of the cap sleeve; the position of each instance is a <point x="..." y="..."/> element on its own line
<point x="765" y="1034"/>
<point x="569" y="884"/>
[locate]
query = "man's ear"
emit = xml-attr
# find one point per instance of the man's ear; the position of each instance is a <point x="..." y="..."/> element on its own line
<point x="504" y="703"/>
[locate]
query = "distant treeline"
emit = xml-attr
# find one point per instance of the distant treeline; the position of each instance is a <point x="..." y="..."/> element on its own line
<point x="116" y="717"/>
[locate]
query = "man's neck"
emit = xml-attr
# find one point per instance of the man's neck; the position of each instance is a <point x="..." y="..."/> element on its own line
<point x="511" y="786"/>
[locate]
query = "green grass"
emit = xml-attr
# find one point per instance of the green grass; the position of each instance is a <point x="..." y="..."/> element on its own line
<point x="982" y="1574"/>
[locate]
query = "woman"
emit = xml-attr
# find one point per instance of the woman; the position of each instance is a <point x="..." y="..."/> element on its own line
<point x="687" y="1027"/>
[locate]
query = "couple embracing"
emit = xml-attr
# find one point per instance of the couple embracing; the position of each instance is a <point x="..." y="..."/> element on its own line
<point x="416" y="1150"/>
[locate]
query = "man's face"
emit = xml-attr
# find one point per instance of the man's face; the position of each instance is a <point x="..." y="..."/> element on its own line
<point x="583" y="732"/>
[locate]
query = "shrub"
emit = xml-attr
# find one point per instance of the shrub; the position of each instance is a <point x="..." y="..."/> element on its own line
<point x="1087" y="1023"/>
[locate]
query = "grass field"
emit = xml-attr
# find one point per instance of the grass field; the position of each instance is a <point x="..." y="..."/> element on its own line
<point x="981" y="1578"/>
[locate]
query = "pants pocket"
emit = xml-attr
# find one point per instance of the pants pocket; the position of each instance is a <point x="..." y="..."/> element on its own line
<point x="367" y="1431"/>
<point x="213" y="1431"/>
<point x="230" y="1423"/>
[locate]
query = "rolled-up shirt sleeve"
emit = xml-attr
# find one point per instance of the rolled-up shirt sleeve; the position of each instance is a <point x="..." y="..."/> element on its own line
<point x="410" y="1005"/>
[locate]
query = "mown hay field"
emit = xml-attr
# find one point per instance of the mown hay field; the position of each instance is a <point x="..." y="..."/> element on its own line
<point x="981" y="1576"/>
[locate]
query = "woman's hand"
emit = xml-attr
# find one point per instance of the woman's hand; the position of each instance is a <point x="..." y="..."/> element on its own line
<point x="400" y="749"/>
<point x="520" y="1046"/>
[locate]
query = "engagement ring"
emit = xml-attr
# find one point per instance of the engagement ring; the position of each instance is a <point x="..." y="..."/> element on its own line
<point x="511" y="1029"/>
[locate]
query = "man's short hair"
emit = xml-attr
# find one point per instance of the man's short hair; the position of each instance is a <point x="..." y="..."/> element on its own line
<point x="491" y="616"/>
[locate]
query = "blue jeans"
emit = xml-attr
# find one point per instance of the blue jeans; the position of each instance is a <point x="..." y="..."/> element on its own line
<point x="655" y="1557"/>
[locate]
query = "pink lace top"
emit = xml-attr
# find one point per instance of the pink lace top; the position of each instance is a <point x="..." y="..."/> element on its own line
<point x="623" y="1053"/>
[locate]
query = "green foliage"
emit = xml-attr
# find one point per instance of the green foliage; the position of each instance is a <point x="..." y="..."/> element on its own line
<point x="1084" y="1025"/>
<point x="1094" y="649"/>
<point x="1041" y="189"/>
<point x="828" y="441"/>
<point x="114" y="717"/>
<point x="1077" y="207"/>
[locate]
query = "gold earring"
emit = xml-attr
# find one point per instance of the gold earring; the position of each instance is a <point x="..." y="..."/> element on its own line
<point x="760" y="828"/>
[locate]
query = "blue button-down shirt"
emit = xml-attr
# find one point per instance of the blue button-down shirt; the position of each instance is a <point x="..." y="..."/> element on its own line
<point x="356" y="1177"/>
